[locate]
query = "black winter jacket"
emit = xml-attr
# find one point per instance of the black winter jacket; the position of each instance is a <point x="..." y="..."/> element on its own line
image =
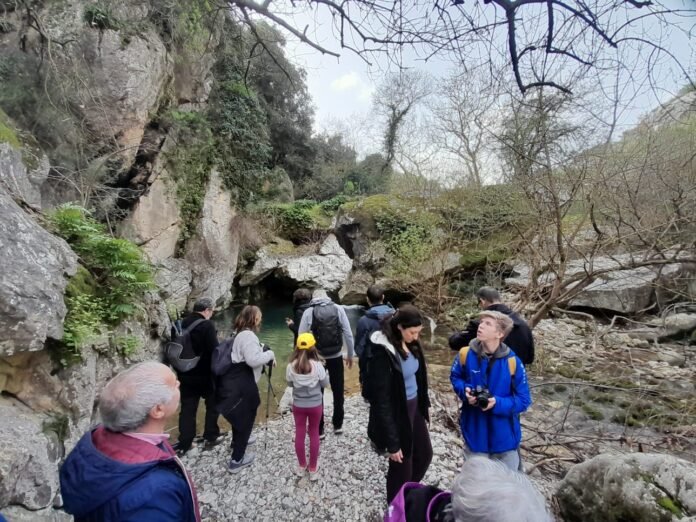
<point x="297" y="311"/>
<point x="204" y="341"/>
<point x="520" y="339"/>
<point x="389" y="427"/>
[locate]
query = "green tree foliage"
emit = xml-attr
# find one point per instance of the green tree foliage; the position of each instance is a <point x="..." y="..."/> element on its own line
<point x="107" y="289"/>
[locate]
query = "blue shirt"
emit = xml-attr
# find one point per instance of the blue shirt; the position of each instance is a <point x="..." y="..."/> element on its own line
<point x="409" y="367"/>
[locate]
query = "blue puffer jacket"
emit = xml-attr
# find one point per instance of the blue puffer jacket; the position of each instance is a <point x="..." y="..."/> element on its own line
<point x="109" y="477"/>
<point x="496" y="430"/>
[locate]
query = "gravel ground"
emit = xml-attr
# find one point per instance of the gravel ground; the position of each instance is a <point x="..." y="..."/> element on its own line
<point x="351" y="486"/>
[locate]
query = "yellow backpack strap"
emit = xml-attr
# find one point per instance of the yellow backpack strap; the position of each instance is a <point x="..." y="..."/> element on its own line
<point x="512" y="365"/>
<point x="462" y="355"/>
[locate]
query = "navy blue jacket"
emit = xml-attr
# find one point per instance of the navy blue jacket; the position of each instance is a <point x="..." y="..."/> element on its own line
<point x="368" y="323"/>
<point x="496" y="430"/>
<point x="110" y="477"/>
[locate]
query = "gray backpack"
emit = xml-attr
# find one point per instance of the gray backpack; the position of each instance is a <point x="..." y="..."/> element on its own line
<point x="179" y="351"/>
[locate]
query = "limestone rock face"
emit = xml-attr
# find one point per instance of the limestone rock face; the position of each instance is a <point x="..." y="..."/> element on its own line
<point x="22" y="182"/>
<point x="642" y="487"/>
<point x="355" y="288"/>
<point x="28" y="460"/>
<point x="212" y="254"/>
<point x="32" y="281"/>
<point x="328" y="268"/>
<point x="173" y="276"/>
<point x="154" y="223"/>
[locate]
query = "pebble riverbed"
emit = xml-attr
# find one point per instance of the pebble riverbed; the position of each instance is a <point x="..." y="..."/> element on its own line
<point x="352" y="479"/>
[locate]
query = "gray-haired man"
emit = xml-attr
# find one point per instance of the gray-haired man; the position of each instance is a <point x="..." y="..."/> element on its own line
<point x="125" y="468"/>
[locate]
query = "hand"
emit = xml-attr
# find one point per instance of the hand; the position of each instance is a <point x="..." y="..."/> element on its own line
<point x="289" y="321"/>
<point x="349" y="362"/>
<point x="470" y="398"/>
<point x="397" y="457"/>
<point x="491" y="403"/>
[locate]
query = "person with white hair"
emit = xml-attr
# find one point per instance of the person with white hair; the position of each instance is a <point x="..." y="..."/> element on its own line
<point x="484" y="491"/>
<point x="491" y="382"/>
<point x="329" y="324"/>
<point x="125" y="468"/>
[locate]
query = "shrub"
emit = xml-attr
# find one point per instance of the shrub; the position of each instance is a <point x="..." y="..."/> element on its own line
<point x="109" y="286"/>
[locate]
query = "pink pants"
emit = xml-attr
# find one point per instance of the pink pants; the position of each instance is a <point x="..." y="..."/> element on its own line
<point x="304" y="416"/>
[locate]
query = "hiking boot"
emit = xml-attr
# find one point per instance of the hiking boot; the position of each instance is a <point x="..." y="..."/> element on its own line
<point x="181" y="449"/>
<point x="314" y="475"/>
<point x="237" y="466"/>
<point x="338" y="431"/>
<point x="322" y="436"/>
<point x="210" y="444"/>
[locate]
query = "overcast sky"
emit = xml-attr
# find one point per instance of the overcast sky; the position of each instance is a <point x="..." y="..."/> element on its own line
<point x="342" y="88"/>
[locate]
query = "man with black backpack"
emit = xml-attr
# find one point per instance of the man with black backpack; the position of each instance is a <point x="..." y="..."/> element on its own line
<point x="197" y="383"/>
<point x="329" y="324"/>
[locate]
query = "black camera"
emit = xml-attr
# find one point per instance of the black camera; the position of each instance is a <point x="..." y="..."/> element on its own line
<point x="265" y="348"/>
<point x="482" y="396"/>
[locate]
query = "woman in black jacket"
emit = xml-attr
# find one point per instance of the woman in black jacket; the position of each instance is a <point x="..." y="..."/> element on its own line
<point x="398" y="392"/>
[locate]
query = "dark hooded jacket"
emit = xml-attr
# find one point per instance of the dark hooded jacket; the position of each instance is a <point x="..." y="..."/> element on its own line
<point x="297" y="310"/>
<point x="110" y="477"/>
<point x="389" y="427"/>
<point x="203" y="341"/>
<point x="369" y="323"/>
<point x="519" y="339"/>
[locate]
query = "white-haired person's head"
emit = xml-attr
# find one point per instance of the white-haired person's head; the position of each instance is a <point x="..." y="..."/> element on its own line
<point x="488" y="491"/>
<point x="139" y="399"/>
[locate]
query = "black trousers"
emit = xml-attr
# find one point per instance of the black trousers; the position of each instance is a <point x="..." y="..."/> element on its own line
<point x="413" y="468"/>
<point x="335" y="369"/>
<point x="192" y="391"/>
<point x="238" y="403"/>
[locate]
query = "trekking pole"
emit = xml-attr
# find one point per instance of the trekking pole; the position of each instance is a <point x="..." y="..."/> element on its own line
<point x="269" y="372"/>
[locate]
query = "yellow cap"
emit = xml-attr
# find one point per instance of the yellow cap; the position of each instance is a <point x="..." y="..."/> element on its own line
<point x="305" y="341"/>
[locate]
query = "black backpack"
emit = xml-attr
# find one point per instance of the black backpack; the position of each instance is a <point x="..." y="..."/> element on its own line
<point x="179" y="352"/>
<point x="221" y="361"/>
<point x="326" y="327"/>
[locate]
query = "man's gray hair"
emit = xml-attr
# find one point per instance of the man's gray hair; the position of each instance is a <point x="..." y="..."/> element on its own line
<point x="488" y="491"/>
<point x="319" y="293"/>
<point x="203" y="304"/>
<point x="488" y="293"/>
<point x="126" y="400"/>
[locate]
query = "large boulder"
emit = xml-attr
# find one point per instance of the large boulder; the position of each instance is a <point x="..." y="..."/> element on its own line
<point x="212" y="253"/>
<point x="328" y="268"/>
<point x="29" y="457"/>
<point x="32" y="282"/>
<point x="640" y="487"/>
<point x="173" y="277"/>
<point x="616" y="288"/>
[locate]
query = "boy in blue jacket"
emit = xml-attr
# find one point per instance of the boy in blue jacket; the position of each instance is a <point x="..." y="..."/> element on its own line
<point x="491" y="424"/>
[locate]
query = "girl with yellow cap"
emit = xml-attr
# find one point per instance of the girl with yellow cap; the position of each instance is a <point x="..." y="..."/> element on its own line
<point x="307" y="377"/>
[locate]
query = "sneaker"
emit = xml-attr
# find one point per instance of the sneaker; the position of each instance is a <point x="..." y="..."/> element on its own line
<point x="314" y="475"/>
<point x="210" y="444"/>
<point x="252" y="439"/>
<point x="338" y="431"/>
<point x="299" y="470"/>
<point x="322" y="436"/>
<point x="237" y="466"/>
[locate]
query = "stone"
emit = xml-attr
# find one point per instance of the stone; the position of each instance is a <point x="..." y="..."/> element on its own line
<point x="155" y="224"/>
<point x="19" y="514"/>
<point x="35" y="265"/>
<point x="676" y="324"/>
<point x="625" y="291"/>
<point x="642" y="487"/>
<point x="354" y="290"/>
<point x="28" y="460"/>
<point x="20" y="181"/>
<point x="214" y="250"/>
<point x="173" y="277"/>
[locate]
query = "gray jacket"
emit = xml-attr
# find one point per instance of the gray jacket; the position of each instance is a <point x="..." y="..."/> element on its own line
<point x="306" y="325"/>
<point x="306" y="388"/>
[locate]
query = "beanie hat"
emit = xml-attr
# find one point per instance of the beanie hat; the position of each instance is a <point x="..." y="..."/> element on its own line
<point x="305" y="341"/>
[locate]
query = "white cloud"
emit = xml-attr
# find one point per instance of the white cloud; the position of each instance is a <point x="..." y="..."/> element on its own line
<point x="366" y="93"/>
<point x="346" y="82"/>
